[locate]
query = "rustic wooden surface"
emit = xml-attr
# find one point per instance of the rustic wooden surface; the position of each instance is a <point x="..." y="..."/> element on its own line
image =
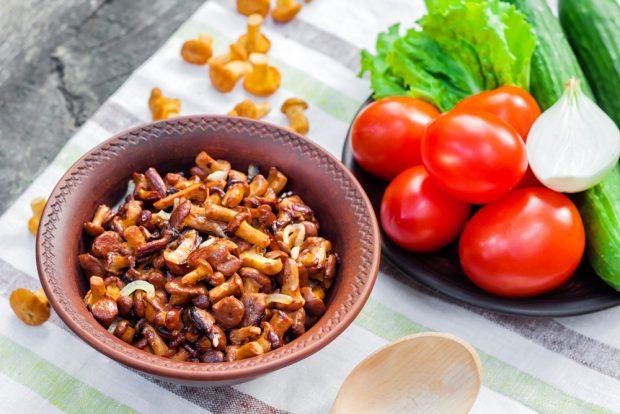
<point x="59" y="60"/>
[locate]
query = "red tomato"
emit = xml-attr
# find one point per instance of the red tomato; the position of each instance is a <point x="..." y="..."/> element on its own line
<point x="473" y="156"/>
<point x="386" y="134"/>
<point x="511" y="104"/>
<point x="528" y="243"/>
<point x="418" y="216"/>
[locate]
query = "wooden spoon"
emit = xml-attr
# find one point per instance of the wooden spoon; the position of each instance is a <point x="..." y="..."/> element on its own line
<point x="424" y="373"/>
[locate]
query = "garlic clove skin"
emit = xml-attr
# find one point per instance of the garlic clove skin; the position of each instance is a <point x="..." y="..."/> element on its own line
<point x="573" y="145"/>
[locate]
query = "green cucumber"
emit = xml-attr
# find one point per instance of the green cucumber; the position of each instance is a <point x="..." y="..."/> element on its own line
<point x="592" y="28"/>
<point x="553" y="62"/>
<point x="600" y="210"/>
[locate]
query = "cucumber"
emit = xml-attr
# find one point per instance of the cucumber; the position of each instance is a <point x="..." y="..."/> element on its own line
<point x="553" y="62"/>
<point x="600" y="211"/>
<point x="592" y="28"/>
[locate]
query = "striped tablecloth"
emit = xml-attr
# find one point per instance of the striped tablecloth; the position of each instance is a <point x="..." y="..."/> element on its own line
<point x="562" y="365"/>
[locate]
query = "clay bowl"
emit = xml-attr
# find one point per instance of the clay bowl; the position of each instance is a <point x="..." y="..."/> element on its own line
<point x="101" y="176"/>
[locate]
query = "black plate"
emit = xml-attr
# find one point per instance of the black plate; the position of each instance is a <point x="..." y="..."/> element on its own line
<point x="442" y="273"/>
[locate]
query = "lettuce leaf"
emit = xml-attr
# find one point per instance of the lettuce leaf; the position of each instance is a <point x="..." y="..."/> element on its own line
<point x="459" y="48"/>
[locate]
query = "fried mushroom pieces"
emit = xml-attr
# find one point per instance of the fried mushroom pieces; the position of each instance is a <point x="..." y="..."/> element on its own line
<point x="217" y="265"/>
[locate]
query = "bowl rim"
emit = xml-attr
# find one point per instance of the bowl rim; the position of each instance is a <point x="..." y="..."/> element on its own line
<point x="113" y="347"/>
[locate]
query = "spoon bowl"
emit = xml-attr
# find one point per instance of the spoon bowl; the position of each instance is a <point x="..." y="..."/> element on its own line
<point x="428" y="372"/>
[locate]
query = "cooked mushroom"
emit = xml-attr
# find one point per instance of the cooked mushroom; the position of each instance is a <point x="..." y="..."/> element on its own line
<point x="263" y="79"/>
<point x="290" y="282"/>
<point x="256" y="282"/>
<point x="285" y="10"/>
<point x="116" y="262"/>
<point x="249" y="7"/>
<point x="221" y="255"/>
<point x="37" y="205"/>
<point x="176" y="259"/>
<point x="202" y="271"/>
<point x="228" y="312"/>
<point x="155" y="341"/>
<point x="298" y="326"/>
<point x="108" y="242"/>
<point x="125" y="331"/>
<point x="209" y="164"/>
<point x="249" y="109"/>
<point x="243" y="335"/>
<point x="163" y="107"/>
<point x="225" y="76"/>
<point x="198" y="51"/>
<point x="268" y="266"/>
<point x="314" y="300"/>
<point x="91" y="265"/>
<point x="254" y="40"/>
<point x="135" y="237"/>
<point x="95" y="226"/>
<point x="177" y="287"/>
<point x="237" y="353"/>
<point x="196" y="192"/>
<point x="294" y="109"/>
<point x="233" y="286"/>
<point x="31" y="307"/>
<point x="277" y="181"/>
<point x="255" y="305"/>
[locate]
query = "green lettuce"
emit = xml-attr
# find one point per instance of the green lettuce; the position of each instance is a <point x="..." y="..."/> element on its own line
<point x="461" y="47"/>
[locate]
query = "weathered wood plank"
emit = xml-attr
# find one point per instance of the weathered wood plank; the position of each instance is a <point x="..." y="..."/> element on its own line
<point x="59" y="60"/>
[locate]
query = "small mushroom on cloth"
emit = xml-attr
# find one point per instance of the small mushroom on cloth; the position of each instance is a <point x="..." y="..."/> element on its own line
<point x="254" y="40"/>
<point x="31" y="307"/>
<point x="163" y="107"/>
<point x="224" y="76"/>
<point x="198" y="51"/>
<point x="37" y="205"/>
<point x="294" y="109"/>
<point x="263" y="79"/>
<point x="285" y="10"/>
<point x="249" y="7"/>
<point x="249" y="109"/>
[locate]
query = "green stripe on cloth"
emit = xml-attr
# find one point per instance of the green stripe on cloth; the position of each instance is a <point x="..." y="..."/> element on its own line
<point x="52" y="383"/>
<point x="324" y="96"/>
<point x="498" y="375"/>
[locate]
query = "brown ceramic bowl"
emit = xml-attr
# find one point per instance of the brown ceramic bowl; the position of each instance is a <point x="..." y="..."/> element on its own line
<point x="101" y="176"/>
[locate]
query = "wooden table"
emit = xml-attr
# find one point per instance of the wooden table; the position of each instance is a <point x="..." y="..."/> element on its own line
<point x="59" y="60"/>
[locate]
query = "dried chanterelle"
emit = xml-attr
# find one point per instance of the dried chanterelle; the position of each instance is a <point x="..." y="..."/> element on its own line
<point x="31" y="307"/>
<point x="198" y="51"/>
<point x="285" y="10"/>
<point x="37" y="205"/>
<point x="163" y="107"/>
<point x="249" y="109"/>
<point x="263" y="79"/>
<point x="254" y="40"/>
<point x="249" y="7"/>
<point x="294" y="109"/>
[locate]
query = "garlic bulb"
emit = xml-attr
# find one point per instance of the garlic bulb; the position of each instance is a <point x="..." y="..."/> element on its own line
<point x="573" y="144"/>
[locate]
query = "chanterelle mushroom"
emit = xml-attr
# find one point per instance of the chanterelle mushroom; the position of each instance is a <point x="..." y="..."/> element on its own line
<point x="249" y="109"/>
<point x="254" y="40"/>
<point x="249" y="7"/>
<point x="263" y="80"/>
<point x="294" y="109"/>
<point x="31" y="307"/>
<point x="198" y="51"/>
<point x="224" y="77"/>
<point x="285" y="10"/>
<point x="163" y="107"/>
<point x="37" y="205"/>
